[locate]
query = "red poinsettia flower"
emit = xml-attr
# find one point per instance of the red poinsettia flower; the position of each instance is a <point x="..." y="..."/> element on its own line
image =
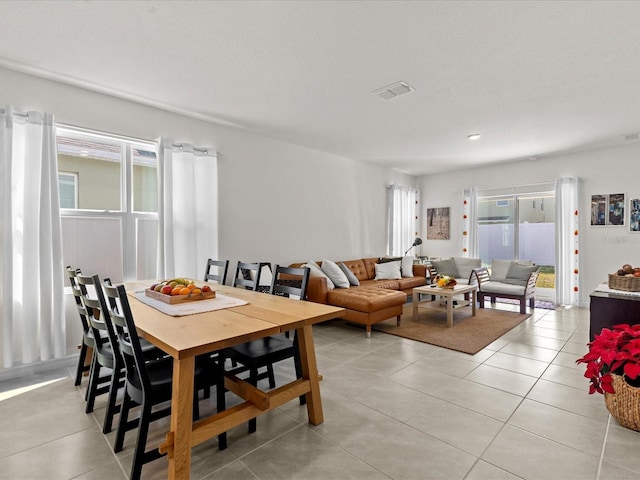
<point x="613" y="351"/>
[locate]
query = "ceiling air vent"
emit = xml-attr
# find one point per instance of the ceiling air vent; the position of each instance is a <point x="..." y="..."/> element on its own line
<point x="393" y="91"/>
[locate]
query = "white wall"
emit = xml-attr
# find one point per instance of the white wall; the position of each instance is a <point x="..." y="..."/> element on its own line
<point x="603" y="171"/>
<point x="278" y="202"/>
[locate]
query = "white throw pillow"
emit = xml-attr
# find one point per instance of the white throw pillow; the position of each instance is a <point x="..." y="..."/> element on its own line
<point x="406" y="266"/>
<point x="388" y="271"/>
<point x="335" y="273"/>
<point x="316" y="271"/>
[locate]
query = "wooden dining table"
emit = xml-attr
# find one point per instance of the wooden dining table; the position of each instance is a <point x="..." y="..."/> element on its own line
<point x="185" y="337"/>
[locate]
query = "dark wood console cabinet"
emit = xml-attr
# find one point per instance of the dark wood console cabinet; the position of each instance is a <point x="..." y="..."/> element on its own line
<point x="609" y="309"/>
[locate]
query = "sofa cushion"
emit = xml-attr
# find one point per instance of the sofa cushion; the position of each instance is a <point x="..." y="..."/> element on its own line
<point x="465" y="266"/>
<point x="518" y="274"/>
<point x="392" y="284"/>
<point x="370" y="265"/>
<point x="335" y="273"/>
<point x="358" y="268"/>
<point x="353" y="280"/>
<point x="406" y="266"/>
<point x="503" y="288"/>
<point x="388" y="270"/>
<point x="412" y="282"/>
<point x="366" y="299"/>
<point x="316" y="271"/>
<point x="446" y="267"/>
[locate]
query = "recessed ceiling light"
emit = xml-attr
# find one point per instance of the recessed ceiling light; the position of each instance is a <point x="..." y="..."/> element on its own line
<point x="474" y="136"/>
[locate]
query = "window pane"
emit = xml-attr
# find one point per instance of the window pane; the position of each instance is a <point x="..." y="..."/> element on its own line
<point x="537" y="229"/>
<point x="145" y="179"/>
<point x="67" y="186"/>
<point x="97" y="165"/>
<point x="495" y="228"/>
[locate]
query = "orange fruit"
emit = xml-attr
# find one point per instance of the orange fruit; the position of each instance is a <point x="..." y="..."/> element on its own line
<point x="176" y="290"/>
<point x="196" y="291"/>
<point x="191" y="286"/>
<point x="184" y="291"/>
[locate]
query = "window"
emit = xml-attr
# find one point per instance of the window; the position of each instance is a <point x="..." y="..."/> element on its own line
<point x="68" y="188"/>
<point x="109" y="203"/>
<point x="402" y="204"/>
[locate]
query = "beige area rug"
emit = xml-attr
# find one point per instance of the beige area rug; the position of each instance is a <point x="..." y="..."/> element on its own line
<point x="468" y="334"/>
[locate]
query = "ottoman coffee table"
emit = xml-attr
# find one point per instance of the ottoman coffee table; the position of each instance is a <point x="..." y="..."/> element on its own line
<point x="446" y="294"/>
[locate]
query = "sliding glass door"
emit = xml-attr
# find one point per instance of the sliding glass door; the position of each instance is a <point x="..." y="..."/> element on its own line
<point x="520" y="226"/>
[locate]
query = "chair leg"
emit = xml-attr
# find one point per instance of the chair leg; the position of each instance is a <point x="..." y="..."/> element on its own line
<point x="523" y="305"/>
<point x="532" y="303"/>
<point x="221" y="405"/>
<point x="81" y="361"/>
<point x="112" y="408"/>
<point x="94" y="379"/>
<point x="91" y="369"/>
<point x="141" y="442"/>
<point x="480" y="300"/>
<point x="271" y="376"/>
<point x="253" y="380"/>
<point x="298" y="366"/>
<point x="122" y="423"/>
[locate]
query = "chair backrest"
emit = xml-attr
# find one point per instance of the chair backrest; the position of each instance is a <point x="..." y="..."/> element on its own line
<point x="72" y="274"/>
<point x="248" y="275"/>
<point x="98" y="316"/>
<point x="221" y="276"/>
<point x="128" y="339"/>
<point x="289" y="281"/>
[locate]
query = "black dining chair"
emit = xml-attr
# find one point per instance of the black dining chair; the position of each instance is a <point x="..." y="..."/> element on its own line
<point x="105" y="356"/>
<point x="88" y="343"/>
<point x="265" y="352"/>
<point x="149" y="383"/>
<point x="222" y="267"/>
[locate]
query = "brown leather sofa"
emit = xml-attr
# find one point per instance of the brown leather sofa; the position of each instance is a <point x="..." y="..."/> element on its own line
<point x="373" y="300"/>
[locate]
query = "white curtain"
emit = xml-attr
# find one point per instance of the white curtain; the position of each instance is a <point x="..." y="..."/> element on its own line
<point x="187" y="209"/>
<point x="567" y="241"/>
<point x="402" y="219"/>
<point x="31" y="271"/>
<point x="470" y="223"/>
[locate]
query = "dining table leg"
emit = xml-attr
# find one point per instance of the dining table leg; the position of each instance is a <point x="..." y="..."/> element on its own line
<point x="310" y="371"/>
<point x="181" y="418"/>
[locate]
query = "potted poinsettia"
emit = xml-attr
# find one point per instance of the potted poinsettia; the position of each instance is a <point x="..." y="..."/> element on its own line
<point x="613" y="369"/>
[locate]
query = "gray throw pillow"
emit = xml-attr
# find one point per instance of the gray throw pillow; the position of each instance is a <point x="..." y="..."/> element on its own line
<point x="518" y="274"/>
<point x="353" y="280"/>
<point x="446" y="267"/>
<point x="335" y="273"/>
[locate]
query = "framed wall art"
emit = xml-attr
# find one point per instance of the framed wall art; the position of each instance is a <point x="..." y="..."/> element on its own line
<point x="438" y="223"/>
<point x="634" y="215"/>
<point x="607" y="210"/>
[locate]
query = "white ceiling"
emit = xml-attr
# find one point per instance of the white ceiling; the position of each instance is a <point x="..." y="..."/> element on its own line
<point x="533" y="78"/>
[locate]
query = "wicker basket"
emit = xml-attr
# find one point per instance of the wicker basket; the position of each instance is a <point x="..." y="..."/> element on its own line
<point x="628" y="284"/>
<point x="624" y="405"/>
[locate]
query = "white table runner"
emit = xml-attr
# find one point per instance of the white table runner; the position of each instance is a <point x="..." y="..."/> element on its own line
<point x="190" y="308"/>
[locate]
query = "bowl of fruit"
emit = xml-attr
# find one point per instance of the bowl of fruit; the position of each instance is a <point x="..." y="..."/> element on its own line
<point x="178" y="290"/>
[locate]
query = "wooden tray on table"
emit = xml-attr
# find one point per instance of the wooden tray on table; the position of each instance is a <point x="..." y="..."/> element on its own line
<point x="174" y="299"/>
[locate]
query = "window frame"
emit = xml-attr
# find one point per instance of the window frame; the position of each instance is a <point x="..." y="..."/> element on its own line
<point x="126" y="215"/>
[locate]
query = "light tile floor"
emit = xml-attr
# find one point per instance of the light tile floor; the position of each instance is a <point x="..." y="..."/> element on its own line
<point x="394" y="409"/>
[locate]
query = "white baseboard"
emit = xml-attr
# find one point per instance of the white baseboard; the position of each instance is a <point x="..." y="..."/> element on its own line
<point x="38" y="367"/>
